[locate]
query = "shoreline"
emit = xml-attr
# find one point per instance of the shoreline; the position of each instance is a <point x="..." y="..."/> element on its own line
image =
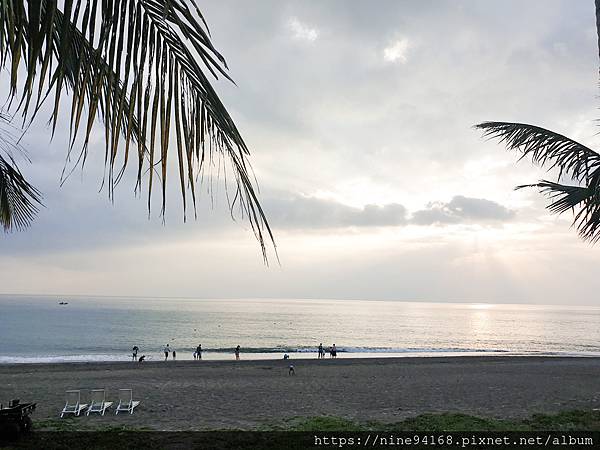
<point x="302" y="356"/>
<point x="188" y="395"/>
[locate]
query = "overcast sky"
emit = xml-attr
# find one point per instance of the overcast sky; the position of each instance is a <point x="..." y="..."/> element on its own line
<point x="359" y="118"/>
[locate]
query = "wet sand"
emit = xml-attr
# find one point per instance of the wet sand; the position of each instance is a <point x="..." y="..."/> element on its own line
<point x="247" y="394"/>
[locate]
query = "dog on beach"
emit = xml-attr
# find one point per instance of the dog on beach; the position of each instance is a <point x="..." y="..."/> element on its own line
<point x="291" y="370"/>
<point x="142" y="358"/>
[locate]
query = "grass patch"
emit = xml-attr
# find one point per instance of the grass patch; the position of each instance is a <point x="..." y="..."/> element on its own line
<point x="67" y="424"/>
<point x="72" y="424"/>
<point x="320" y="423"/>
<point x="564" y="421"/>
<point x="111" y="437"/>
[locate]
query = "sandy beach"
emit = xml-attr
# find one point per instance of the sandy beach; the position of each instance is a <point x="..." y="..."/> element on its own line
<point x="207" y="395"/>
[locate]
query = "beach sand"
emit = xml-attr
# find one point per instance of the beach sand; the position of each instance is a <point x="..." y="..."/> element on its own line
<point x="246" y="394"/>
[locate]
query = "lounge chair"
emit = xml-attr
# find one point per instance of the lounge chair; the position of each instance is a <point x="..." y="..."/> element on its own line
<point x="73" y="404"/>
<point x="126" y="402"/>
<point x="98" y="403"/>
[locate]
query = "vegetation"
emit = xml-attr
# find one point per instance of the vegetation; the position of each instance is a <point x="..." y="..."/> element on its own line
<point x="564" y="421"/>
<point x="575" y="162"/>
<point x="122" y="437"/>
<point x="141" y="66"/>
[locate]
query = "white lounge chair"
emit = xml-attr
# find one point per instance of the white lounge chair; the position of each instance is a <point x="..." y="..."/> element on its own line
<point x="126" y="402"/>
<point x="98" y="403"/>
<point x="73" y="404"/>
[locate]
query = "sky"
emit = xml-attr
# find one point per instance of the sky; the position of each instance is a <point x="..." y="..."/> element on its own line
<point x="359" y="117"/>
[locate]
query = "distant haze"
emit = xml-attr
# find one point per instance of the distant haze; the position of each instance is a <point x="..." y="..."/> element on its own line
<point x="359" y="118"/>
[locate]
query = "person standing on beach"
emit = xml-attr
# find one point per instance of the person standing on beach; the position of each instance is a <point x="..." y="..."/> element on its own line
<point x="333" y="351"/>
<point x="237" y="353"/>
<point x="167" y="350"/>
<point x="134" y="350"/>
<point x="321" y="351"/>
<point x="199" y="351"/>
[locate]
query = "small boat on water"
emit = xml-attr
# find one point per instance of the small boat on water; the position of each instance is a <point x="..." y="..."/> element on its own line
<point x="63" y="303"/>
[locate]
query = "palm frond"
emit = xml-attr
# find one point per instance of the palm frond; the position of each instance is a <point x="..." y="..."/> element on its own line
<point x="19" y="200"/>
<point x="141" y="66"/>
<point x="565" y="198"/>
<point x="572" y="159"/>
<point x="546" y="148"/>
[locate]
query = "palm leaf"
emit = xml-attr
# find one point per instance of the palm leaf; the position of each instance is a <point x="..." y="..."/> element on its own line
<point x="565" y="198"/>
<point x="19" y="200"/>
<point x="143" y="67"/>
<point x="572" y="159"/>
<point x="546" y="148"/>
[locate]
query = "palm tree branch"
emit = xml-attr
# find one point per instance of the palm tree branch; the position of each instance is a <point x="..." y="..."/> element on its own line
<point x="137" y="65"/>
<point x="566" y="197"/>
<point x="546" y="148"/>
<point x="19" y="200"/>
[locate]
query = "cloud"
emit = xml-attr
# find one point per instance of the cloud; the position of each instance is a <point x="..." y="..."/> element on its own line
<point x="296" y="211"/>
<point x="462" y="209"/>
<point x="288" y="210"/>
<point x="301" y="31"/>
<point x="396" y="51"/>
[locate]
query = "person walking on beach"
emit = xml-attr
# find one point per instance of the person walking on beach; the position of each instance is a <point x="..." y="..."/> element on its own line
<point x="321" y="351"/>
<point x="199" y="351"/>
<point x="167" y="350"/>
<point x="174" y="355"/>
<point x="134" y="351"/>
<point x="333" y="351"/>
<point x="237" y="353"/>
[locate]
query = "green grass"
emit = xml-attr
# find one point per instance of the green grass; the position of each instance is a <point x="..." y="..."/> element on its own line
<point x="108" y="437"/>
<point x="72" y="424"/>
<point x="67" y="424"/>
<point x="564" y="421"/>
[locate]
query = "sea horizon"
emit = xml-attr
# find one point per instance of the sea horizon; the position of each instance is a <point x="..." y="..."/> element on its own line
<point x="267" y="298"/>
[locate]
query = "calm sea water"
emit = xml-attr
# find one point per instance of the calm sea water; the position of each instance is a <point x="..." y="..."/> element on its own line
<point x="38" y="329"/>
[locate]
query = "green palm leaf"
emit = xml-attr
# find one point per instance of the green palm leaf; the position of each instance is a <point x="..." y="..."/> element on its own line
<point x="565" y="198"/>
<point x="546" y="148"/>
<point x="143" y="67"/>
<point x="572" y="159"/>
<point x="19" y="200"/>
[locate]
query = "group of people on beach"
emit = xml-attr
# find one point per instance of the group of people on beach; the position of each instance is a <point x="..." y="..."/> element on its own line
<point x="168" y="350"/>
<point x="332" y="351"/>
<point x="134" y="354"/>
<point x="198" y="353"/>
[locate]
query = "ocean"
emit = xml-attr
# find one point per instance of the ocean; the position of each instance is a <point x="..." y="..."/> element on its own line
<point x="39" y="329"/>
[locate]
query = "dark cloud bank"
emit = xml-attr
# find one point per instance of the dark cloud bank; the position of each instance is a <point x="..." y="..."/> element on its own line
<point x="294" y="211"/>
